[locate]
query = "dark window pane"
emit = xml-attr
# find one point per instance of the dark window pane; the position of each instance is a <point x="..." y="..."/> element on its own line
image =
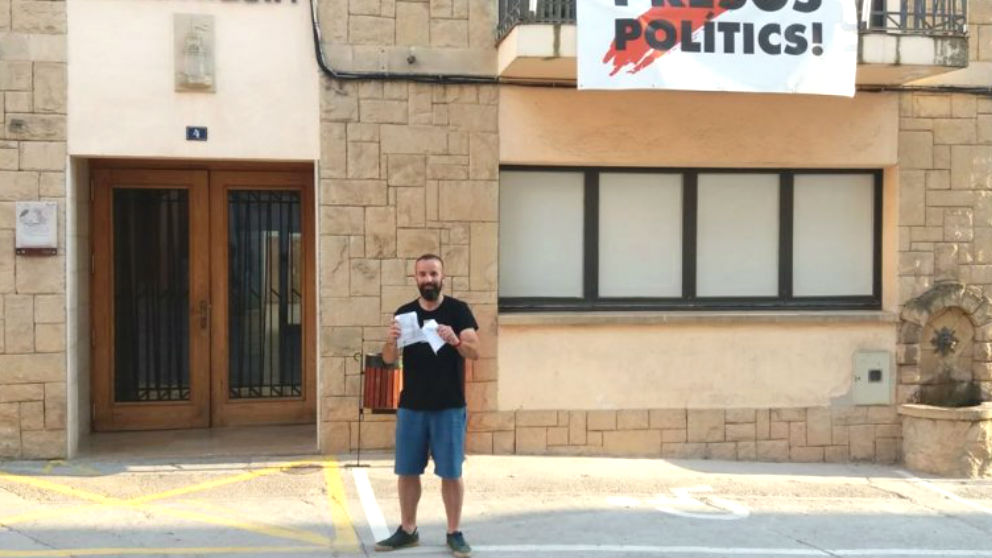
<point x="264" y="296"/>
<point x="151" y="295"/>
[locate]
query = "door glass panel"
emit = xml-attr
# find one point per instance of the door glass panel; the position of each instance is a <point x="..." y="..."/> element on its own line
<point x="264" y="296"/>
<point x="151" y="295"/>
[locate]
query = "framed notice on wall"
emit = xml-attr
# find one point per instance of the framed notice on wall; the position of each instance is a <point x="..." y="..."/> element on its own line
<point x="37" y="228"/>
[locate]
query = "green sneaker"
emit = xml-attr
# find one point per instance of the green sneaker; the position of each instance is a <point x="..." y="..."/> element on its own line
<point x="399" y="539"/>
<point x="458" y="546"/>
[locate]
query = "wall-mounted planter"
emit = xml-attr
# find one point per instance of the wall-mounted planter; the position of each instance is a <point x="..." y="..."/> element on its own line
<point x="948" y="441"/>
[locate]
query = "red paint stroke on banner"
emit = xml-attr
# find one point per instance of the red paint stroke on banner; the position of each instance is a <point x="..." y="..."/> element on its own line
<point x="639" y="53"/>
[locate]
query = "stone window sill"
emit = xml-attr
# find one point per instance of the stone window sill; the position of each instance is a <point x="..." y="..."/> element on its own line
<point x="698" y="317"/>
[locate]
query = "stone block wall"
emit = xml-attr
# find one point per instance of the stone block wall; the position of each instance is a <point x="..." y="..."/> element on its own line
<point x="945" y="221"/>
<point x="411" y="167"/>
<point x="945" y="178"/>
<point x="410" y="36"/>
<point x="32" y="289"/>
<point x="945" y="216"/>
<point x="406" y="168"/>
<point x="813" y="434"/>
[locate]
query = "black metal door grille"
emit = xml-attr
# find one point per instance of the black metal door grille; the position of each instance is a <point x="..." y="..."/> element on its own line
<point x="264" y="297"/>
<point x="151" y="295"/>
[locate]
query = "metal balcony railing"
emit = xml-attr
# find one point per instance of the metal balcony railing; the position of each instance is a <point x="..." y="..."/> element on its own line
<point x="515" y="12"/>
<point x="915" y="17"/>
<point x="923" y="17"/>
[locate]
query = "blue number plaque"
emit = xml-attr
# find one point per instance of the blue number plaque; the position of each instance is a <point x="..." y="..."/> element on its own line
<point x="196" y="133"/>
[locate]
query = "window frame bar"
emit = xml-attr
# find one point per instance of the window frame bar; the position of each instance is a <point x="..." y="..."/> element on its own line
<point x="786" y="208"/>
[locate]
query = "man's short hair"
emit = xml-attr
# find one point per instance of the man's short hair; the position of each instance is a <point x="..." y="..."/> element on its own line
<point x="426" y="257"/>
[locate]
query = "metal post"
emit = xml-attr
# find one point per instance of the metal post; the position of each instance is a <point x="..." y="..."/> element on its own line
<point x="361" y="410"/>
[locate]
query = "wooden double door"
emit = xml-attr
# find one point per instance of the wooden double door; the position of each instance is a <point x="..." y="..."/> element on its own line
<point x="203" y="298"/>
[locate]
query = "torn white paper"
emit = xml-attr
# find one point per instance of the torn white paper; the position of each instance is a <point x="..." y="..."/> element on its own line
<point x="430" y="334"/>
<point x="410" y="332"/>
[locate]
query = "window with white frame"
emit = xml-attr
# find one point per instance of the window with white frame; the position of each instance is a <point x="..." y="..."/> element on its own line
<point x="542" y="235"/>
<point x="833" y="218"/>
<point x="737" y="235"/>
<point x="689" y="238"/>
<point x="640" y="235"/>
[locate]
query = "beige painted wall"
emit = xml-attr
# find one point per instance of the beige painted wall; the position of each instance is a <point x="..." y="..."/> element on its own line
<point x="742" y="365"/>
<point x="655" y="128"/>
<point x="539" y="127"/>
<point x="121" y="92"/>
<point x="77" y="303"/>
<point x="695" y="364"/>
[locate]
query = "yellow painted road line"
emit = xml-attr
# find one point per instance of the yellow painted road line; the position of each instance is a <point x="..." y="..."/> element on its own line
<point x="51" y="464"/>
<point x="199" y="487"/>
<point x="224" y="511"/>
<point x="61" y="489"/>
<point x="89" y="471"/>
<point x="101" y="499"/>
<point x="345" y="535"/>
<point x="243" y="525"/>
<point x="46" y="514"/>
<point x="104" y="501"/>
<point x="182" y="551"/>
<point x="344" y="531"/>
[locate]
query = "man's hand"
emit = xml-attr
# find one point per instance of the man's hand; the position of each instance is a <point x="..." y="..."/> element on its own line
<point x="394" y="332"/>
<point x="448" y="334"/>
<point x="389" y="347"/>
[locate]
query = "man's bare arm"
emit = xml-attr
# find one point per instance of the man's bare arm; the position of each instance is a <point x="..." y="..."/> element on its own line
<point x="389" y="350"/>
<point x="468" y="345"/>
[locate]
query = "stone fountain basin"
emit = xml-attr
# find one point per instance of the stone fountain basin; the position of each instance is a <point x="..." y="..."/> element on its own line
<point x="948" y="441"/>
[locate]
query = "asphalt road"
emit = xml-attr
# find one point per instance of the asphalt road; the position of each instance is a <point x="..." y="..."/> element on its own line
<point x="515" y="506"/>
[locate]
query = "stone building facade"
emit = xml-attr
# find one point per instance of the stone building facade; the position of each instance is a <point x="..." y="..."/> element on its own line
<point x="407" y="169"/>
<point x="406" y="162"/>
<point x="33" y="88"/>
<point x="931" y="228"/>
<point x="945" y="236"/>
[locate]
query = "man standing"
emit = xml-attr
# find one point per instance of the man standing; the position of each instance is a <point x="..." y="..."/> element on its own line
<point x="431" y="414"/>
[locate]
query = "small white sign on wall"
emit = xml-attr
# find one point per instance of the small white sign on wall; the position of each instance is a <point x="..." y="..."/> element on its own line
<point x="37" y="228"/>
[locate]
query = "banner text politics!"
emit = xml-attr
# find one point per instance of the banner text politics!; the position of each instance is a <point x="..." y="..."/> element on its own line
<point x="772" y="38"/>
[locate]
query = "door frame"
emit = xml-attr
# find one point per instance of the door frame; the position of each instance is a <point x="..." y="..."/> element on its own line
<point x="225" y="411"/>
<point x="109" y="415"/>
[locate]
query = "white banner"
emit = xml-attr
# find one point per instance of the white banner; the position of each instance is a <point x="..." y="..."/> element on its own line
<point x="771" y="46"/>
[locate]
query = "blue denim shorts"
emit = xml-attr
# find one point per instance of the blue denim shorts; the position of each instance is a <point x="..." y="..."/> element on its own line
<point x="442" y="432"/>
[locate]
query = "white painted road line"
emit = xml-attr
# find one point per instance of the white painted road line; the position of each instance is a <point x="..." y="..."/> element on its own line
<point x="377" y="525"/>
<point x="373" y="514"/>
<point x="683" y="499"/>
<point x="729" y="510"/>
<point x="913" y="552"/>
<point x="945" y="493"/>
<point x="587" y="549"/>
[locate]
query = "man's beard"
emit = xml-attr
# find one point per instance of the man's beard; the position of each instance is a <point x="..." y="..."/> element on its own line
<point x="430" y="291"/>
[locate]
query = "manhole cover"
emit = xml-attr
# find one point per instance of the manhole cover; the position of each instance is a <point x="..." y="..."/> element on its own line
<point x="302" y="469"/>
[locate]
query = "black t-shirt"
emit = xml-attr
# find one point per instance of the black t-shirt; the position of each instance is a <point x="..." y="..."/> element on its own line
<point x="435" y="381"/>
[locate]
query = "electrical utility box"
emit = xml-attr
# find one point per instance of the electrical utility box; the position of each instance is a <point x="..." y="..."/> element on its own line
<point x="872" y="378"/>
